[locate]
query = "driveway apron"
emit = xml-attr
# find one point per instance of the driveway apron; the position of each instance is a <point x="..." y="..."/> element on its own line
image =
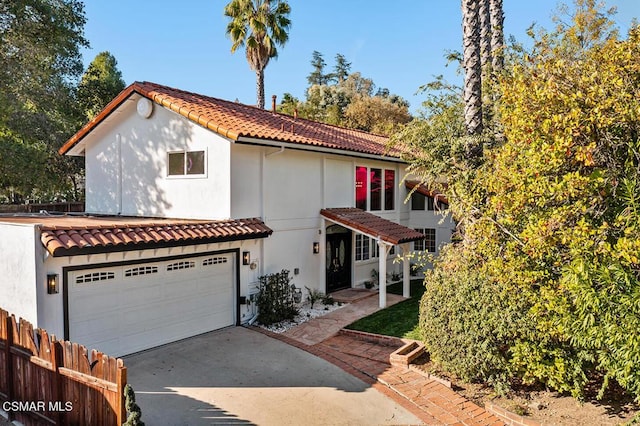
<point x="239" y="376"/>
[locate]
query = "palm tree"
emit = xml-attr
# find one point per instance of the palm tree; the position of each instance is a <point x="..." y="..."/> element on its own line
<point x="471" y="64"/>
<point x="497" y="35"/>
<point x="260" y="25"/>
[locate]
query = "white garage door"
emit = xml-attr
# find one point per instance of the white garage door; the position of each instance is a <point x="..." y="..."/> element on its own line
<point x="124" y="309"/>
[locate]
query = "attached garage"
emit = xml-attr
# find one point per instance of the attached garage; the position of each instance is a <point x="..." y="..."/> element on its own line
<point x="124" y="308"/>
<point x="124" y="284"/>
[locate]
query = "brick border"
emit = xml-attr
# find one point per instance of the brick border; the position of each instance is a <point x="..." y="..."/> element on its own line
<point x="508" y="417"/>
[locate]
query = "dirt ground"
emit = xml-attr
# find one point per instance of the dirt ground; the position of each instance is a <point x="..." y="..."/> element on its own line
<point x="547" y="407"/>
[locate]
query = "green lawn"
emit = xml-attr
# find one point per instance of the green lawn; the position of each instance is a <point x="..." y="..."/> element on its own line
<point x="400" y="320"/>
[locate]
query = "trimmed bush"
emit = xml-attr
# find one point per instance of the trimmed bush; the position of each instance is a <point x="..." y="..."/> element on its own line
<point x="275" y="299"/>
<point x="134" y="417"/>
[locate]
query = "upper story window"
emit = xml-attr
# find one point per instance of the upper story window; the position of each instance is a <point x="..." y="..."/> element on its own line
<point x="186" y="163"/>
<point x="422" y="202"/>
<point x="375" y="188"/>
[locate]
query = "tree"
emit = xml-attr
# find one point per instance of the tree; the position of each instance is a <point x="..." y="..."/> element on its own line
<point x="376" y="114"/>
<point x="346" y="99"/>
<point x="99" y="85"/>
<point x="317" y="76"/>
<point x="40" y="60"/>
<point x="289" y="104"/>
<point x="496" y="20"/>
<point x="341" y="69"/>
<point x="260" y="26"/>
<point x="550" y="262"/>
<point x="472" y="66"/>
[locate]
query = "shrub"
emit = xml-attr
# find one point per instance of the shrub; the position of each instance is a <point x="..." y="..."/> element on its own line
<point x="327" y="300"/>
<point x="275" y="300"/>
<point x="468" y="324"/>
<point x="314" y="295"/>
<point x="134" y="412"/>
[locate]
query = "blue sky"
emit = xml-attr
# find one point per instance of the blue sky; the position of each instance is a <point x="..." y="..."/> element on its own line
<point x="399" y="44"/>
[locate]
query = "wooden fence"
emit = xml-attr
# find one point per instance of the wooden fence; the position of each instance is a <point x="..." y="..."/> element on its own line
<point x="38" y="207"/>
<point x="44" y="381"/>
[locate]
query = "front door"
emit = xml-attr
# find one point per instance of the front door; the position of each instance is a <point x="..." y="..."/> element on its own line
<point x="338" y="258"/>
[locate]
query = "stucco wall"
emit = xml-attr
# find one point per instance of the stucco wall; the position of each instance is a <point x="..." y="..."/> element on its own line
<point x="126" y="167"/>
<point x="19" y="270"/>
<point x="288" y="188"/>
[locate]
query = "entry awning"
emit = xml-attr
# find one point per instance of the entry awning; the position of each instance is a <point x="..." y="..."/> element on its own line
<point x="371" y="225"/>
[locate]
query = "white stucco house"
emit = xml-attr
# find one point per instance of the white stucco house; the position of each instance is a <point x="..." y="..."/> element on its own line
<point x="189" y="199"/>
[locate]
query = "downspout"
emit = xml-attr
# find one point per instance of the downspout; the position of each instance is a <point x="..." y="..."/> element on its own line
<point x="119" y="148"/>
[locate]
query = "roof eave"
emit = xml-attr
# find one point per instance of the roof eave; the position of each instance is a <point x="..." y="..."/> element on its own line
<point x="247" y="140"/>
<point x="119" y="248"/>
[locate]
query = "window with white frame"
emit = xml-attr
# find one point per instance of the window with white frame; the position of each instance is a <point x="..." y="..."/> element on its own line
<point x="429" y="243"/>
<point x="186" y="163"/>
<point x="362" y="247"/>
<point x="367" y="248"/>
<point x="375" y="188"/>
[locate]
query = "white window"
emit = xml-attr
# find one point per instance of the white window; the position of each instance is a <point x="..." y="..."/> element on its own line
<point x="429" y="243"/>
<point x="362" y="247"/>
<point x="185" y="163"/>
<point x="367" y="248"/>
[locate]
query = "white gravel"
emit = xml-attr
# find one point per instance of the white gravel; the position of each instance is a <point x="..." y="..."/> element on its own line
<point x="305" y="314"/>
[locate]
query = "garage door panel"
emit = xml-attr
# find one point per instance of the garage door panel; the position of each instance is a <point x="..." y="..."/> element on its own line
<point x="125" y="309"/>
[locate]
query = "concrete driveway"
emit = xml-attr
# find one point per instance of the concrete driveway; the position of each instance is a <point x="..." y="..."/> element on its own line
<point x="239" y="376"/>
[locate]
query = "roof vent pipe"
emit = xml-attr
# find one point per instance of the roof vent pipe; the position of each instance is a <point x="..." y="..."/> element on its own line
<point x="273" y="103"/>
<point x="295" y="113"/>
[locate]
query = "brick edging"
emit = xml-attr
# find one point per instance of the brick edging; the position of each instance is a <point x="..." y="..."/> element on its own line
<point x="372" y="337"/>
<point x="508" y="417"/>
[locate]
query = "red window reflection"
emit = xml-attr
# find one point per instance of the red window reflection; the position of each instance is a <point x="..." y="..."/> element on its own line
<point x="361" y="187"/>
<point x="376" y="189"/>
<point x="389" y="188"/>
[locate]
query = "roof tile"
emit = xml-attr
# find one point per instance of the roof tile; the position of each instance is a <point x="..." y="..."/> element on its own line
<point x="235" y="121"/>
<point x="62" y="240"/>
<point x="372" y="225"/>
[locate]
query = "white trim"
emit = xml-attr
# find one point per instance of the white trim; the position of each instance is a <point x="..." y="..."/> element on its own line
<point x="305" y="147"/>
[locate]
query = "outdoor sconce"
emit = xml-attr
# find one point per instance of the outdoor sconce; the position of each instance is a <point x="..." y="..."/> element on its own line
<point x="246" y="257"/>
<point x="52" y="283"/>
<point x="316" y="247"/>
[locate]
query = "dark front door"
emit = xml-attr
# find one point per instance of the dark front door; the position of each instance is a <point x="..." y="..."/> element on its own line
<point x="338" y="258"/>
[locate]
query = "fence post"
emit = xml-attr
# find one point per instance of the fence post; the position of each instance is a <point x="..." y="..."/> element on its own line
<point x="9" y="328"/>
<point x="56" y="360"/>
<point x="121" y="382"/>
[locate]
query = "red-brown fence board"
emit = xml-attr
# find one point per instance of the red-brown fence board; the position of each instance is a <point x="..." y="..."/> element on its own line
<point x="36" y="368"/>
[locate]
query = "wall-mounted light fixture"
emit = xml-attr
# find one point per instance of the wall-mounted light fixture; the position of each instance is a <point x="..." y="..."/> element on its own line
<point x="246" y="257"/>
<point x="52" y="283"/>
<point x="316" y="247"/>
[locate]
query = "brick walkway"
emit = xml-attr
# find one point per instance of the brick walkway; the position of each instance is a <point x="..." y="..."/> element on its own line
<point x="367" y="358"/>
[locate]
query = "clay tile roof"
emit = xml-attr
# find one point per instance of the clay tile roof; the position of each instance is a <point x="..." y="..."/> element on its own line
<point x="372" y="225"/>
<point x="236" y="121"/>
<point x="62" y="240"/>
<point x="421" y="189"/>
